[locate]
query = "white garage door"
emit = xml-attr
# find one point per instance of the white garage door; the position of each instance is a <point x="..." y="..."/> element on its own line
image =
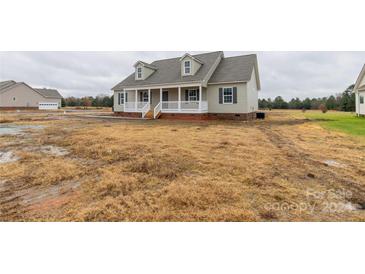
<point x="48" y="105"/>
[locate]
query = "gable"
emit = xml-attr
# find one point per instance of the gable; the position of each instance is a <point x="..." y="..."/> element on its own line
<point x="145" y="71"/>
<point x="360" y="83"/>
<point x="21" y="92"/>
<point x="195" y="65"/>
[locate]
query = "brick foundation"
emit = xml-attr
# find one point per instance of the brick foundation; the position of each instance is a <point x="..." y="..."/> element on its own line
<point x="210" y="116"/>
<point x="19" y="108"/>
<point x="128" y="114"/>
<point x="233" y="116"/>
<point x="195" y="116"/>
<point x="184" y="116"/>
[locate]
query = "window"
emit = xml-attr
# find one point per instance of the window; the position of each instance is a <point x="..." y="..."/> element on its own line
<point x="227" y="96"/>
<point x="139" y="73"/>
<point x="165" y="96"/>
<point x="145" y="96"/>
<point x="361" y="99"/>
<point x="187" y="67"/>
<point x="192" y="95"/>
<point x="121" y="100"/>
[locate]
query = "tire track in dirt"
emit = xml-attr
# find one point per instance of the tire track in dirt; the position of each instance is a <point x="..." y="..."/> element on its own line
<point x="297" y="156"/>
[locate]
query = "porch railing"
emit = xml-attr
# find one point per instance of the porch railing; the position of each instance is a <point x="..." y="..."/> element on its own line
<point x="168" y="106"/>
<point x="194" y="106"/>
<point x="145" y="109"/>
<point x="157" y="110"/>
<point x="133" y="107"/>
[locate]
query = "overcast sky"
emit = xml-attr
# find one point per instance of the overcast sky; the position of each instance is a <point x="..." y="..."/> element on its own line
<point x="289" y="74"/>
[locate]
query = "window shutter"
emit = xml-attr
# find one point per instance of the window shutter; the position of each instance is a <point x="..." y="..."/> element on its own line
<point x="126" y="97"/>
<point x="235" y="95"/>
<point x="220" y="96"/>
<point x="119" y="98"/>
<point x="141" y="96"/>
<point x="186" y="95"/>
<point x="197" y="94"/>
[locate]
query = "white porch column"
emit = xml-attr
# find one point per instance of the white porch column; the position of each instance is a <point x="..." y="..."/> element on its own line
<point x="161" y="97"/>
<point x="135" y="100"/>
<point x="179" y="99"/>
<point x="200" y="97"/>
<point x="149" y="96"/>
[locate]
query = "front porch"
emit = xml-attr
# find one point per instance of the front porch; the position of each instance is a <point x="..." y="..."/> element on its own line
<point x="152" y="102"/>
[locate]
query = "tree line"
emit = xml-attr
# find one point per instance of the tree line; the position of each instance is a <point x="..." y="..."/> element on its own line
<point x="89" y="101"/>
<point x="343" y="102"/>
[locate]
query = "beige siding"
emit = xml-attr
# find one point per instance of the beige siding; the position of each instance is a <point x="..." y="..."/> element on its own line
<point x="155" y="97"/>
<point x="362" y="82"/>
<point x="252" y="94"/>
<point x="131" y="98"/>
<point x="117" y="107"/>
<point x="195" y="66"/>
<point x="146" y="72"/>
<point x="23" y="96"/>
<point x="213" y="99"/>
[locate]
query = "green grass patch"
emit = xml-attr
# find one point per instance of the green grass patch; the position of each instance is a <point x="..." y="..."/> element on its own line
<point x="341" y="121"/>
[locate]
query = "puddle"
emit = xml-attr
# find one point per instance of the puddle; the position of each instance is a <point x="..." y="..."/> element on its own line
<point x="333" y="163"/>
<point x="7" y="129"/>
<point x="7" y="157"/>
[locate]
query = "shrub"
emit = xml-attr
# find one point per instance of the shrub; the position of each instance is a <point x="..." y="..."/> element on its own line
<point x="323" y="108"/>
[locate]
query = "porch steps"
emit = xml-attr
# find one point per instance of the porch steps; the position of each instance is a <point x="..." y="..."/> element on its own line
<point x="149" y="115"/>
<point x="158" y="115"/>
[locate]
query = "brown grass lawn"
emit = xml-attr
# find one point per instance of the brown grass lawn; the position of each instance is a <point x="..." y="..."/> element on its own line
<point x="285" y="168"/>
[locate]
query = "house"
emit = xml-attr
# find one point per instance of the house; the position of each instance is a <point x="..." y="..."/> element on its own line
<point x="360" y="93"/>
<point x="16" y="95"/>
<point x="201" y="86"/>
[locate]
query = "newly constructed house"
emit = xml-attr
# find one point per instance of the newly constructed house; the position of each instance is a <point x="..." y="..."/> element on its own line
<point x="360" y="93"/>
<point x="15" y="95"/>
<point x="191" y="86"/>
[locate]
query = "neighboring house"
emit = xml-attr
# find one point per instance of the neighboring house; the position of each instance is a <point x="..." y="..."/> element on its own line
<point x="15" y="95"/>
<point x="192" y="86"/>
<point x="360" y="93"/>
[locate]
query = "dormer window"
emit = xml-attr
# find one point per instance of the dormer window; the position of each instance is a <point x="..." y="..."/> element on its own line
<point x="139" y="73"/>
<point x="187" y="67"/>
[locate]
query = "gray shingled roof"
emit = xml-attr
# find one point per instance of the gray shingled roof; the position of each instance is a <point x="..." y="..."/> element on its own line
<point x="49" y="93"/>
<point x="6" y="84"/>
<point x="234" y="69"/>
<point x="169" y="72"/>
<point x="147" y="65"/>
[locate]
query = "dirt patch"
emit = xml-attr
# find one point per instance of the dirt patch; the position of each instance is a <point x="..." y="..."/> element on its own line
<point x="48" y="149"/>
<point x="7" y="157"/>
<point x="12" y="129"/>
